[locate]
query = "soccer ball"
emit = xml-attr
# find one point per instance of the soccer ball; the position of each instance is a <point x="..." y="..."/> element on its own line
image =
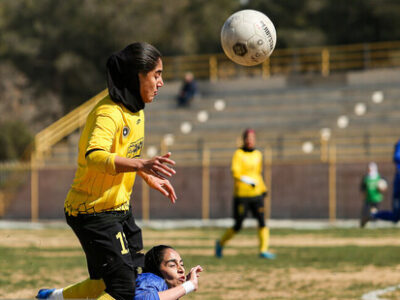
<point x="382" y="185"/>
<point x="248" y="37"/>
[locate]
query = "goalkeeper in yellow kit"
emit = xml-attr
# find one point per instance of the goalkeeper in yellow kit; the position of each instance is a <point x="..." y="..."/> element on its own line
<point x="97" y="206"/>
<point x="249" y="193"/>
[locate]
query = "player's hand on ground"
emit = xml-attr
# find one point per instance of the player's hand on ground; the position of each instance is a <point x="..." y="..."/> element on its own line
<point x="162" y="185"/>
<point x="159" y="166"/>
<point x="193" y="276"/>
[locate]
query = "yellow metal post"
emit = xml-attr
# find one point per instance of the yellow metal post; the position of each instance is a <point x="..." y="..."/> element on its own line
<point x="34" y="187"/>
<point x="324" y="150"/>
<point x="145" y="201"/>
<point x="163" y="147"/>
<point x="332" y="183"/>
<point x="213" y="63"/>
<point x="268" y="181"/>
<point x="325" y="65"/>
<point x="2" y="204"/>
<point x="205" y="203"/>
<point x="266" y="68"/>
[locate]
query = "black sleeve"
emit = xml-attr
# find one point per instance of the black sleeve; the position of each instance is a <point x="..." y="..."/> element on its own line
<point x="363" y="186"/>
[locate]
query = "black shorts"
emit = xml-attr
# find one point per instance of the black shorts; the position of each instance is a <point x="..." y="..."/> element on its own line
<point x="241" y="206"/>
<point x="110" y="240"/>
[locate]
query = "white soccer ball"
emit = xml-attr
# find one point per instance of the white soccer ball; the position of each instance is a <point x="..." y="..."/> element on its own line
<point x="248" y="37"/>
<point x="382" y="185"/>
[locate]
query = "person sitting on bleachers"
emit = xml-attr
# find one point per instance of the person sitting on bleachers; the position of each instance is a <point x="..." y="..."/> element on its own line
<point x="188" y="90"/>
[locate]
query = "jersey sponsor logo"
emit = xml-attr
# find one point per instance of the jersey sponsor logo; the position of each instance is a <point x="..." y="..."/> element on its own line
<point x="138" y="121"/>
<point x="135" y="149"/>
<point x="125" y="131"/>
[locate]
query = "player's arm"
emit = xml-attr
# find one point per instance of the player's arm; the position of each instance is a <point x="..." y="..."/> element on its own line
<point x="236" y="166"/>
<point x="114" y="164"/>
<point x="111" y="163"/>
<point x="160" y="184"/>
<point x="155" y="166"/>
<point x="363" y="185"/>
<point x="99" y="156"/>
<point x="100" y="140"/>
<point x="191" y="285"/>
<point x="261" y="172"/>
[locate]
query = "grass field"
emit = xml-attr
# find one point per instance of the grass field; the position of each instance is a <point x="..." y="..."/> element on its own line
<point x="311" y="264"/>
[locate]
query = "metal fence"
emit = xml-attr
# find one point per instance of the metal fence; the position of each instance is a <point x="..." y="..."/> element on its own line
<point x="323" y="60"/>
<point x="298" y="190"/>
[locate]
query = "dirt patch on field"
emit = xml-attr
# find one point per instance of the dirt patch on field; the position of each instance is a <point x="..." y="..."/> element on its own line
<point x="305" y="283"/>
<point x="44" y="277"/>
<point x="38" y="238"/>
<point x="72" y="253"/>
<point x="260" y="280"/>
<point x="320" y="241"/>
<point x="210" y="252"/>
<point x="66" y="238"/>
<point x="241" y="283"/>
<point x="283" y="241"/>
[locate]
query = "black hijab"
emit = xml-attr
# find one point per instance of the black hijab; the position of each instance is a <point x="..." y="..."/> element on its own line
<point x="123" y="79"/>
<point x="245" y="134"/>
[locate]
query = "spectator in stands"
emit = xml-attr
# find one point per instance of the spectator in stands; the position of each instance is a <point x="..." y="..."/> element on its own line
<point x="163" y="278"/>
<point x="249" y="194"/>
<point x="372" y="192"/>
<point x="394" y="214"/>
<point x="188" y="90"/>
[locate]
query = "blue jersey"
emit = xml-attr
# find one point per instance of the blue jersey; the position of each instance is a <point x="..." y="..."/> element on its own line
<point x="396" y="156"/>
<point x="394" y="214"/>
<point x="148" y="285"/>
<point x="396" y="181"/>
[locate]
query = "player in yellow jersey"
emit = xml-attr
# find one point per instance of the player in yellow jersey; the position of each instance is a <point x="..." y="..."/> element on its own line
<point x="97" y="206"/>
<point x="249" y="193"/>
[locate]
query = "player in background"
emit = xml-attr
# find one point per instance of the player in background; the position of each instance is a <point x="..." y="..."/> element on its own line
<point x="163" y="278"/>
<point x="371" y="191"/>
<point x="97" y="207"/>
<point x="249" y="193"/>
<point x="394" y="214"/>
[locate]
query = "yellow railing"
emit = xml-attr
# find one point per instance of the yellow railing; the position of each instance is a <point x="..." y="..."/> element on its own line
<point x="323" y="60"/>
<point x="75" y="119"/>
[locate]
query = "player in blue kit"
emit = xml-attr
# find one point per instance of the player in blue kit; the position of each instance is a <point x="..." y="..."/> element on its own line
<point x="163" y="278"/>
<point x="394" y="214"/>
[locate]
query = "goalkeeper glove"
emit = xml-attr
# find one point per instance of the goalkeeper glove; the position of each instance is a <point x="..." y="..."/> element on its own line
<point x="248" y="180"/>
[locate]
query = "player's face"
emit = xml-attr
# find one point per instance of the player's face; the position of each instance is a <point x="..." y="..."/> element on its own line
<point x="250" y="140"/>
<point x="172" y="268"/>
<point x="151" y="82"/>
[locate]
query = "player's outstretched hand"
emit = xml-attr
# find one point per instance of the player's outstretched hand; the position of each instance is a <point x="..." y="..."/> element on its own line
<point x="193" y="276"/>
<point x="159" y="166"/>
<point x="160" y="184"/>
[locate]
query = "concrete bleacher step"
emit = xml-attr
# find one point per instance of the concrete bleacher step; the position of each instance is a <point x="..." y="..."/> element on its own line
<point x="284" y="116"/>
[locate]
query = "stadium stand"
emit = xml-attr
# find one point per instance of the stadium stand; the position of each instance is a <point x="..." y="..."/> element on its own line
<point x="284" y="117"/>
<point x="287" y="111"/>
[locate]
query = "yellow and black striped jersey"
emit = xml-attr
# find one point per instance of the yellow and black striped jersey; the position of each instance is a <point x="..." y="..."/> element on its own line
<point x="116" y="131"/>
<point x="250" y="165"/>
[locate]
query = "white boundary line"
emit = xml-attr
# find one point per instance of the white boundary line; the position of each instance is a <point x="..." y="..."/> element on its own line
<point x="198" y="223"/>
<point x="374" y="295"/>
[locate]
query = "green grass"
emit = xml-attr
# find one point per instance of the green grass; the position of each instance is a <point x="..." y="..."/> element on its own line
<point x="299" y="272"/>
